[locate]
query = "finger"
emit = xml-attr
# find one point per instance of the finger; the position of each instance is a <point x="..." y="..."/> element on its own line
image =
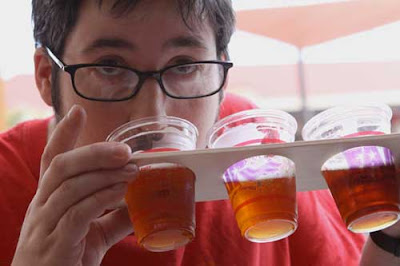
<point x="64" y="136"/>
<point x="75" y="223"/>
<point x="95" y="157"/>
<point x="114" y="226"/>
<point x="77" y="189"/>
<point x="118" y="205"/>
<point x="98" y="239"/>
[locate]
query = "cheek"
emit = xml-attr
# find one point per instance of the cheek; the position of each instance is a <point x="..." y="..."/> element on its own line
<point x="102" y="119"/>
<point x="68" y="96"/>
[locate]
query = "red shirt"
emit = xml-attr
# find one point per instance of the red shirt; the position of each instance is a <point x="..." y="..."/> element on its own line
<point x="20" y="152"/>
<point x="320" y="239"/>
<point x="234" y="103"/>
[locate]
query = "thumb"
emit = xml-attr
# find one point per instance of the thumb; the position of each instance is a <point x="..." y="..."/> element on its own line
<point x="64" y="136"/>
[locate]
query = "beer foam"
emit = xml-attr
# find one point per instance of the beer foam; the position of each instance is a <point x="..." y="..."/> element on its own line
<point x="359" y="157"/>
<point x="260" y="168"/>
<point x="154" y="166"/>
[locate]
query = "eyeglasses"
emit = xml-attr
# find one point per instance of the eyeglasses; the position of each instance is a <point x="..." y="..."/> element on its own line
<point x="108" y="83"/>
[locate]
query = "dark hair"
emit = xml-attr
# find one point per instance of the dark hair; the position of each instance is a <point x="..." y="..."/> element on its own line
<point x="54" y="19"/>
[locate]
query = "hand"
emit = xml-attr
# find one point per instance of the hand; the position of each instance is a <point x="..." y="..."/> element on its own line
<point x="393" y="231"/>
<point x="64" y="223"/>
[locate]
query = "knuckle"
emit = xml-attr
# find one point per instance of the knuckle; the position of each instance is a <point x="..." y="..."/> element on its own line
<point x="47" y="155"/>
<point x="105" y="197"/>
<point x="101" y="151"/>
<point x="58" y="162"/>
<point x="66" y="188"/>
<point x="99" y="148"/>
<point x="97" y="199"/>
<point x="34" y="205"/>
<point x="74" y="215"/>
<point x="104" y="153"/>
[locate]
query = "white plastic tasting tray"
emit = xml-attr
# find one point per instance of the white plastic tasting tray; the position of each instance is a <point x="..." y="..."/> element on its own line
<point x="308" y="156"/>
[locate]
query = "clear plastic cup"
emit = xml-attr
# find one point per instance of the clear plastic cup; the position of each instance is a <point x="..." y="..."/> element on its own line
<point x="362" y="180"/>
<point x="161" y="200"/>
<point x="262" y="189"/>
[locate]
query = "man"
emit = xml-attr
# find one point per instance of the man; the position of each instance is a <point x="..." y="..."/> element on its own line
<point x="122" y="45"/>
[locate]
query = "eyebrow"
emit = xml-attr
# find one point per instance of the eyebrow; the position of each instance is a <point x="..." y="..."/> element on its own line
<point x="109" y="43"/>
<point x="180" y="41"/>
<point x="185" y="41"/>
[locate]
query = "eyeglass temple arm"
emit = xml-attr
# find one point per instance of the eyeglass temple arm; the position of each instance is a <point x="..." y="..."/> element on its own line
<point x="55" y="59"/>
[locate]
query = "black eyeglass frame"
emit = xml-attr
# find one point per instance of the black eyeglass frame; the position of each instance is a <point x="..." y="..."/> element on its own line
<point x="143" y="76"/>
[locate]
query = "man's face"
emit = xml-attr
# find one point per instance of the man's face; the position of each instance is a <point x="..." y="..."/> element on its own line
<point x="149" y="38"/>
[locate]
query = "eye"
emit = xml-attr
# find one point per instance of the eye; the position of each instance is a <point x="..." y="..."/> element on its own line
<point x="185" y="69"/>
<point x="109" y="71"/>
<point x="109" y="66"/>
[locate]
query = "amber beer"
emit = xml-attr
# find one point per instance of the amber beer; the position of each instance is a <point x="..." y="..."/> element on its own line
<point x="161" y="206"/>
<point x="264" y="209"/>
<point x="362" y="179"/>
<point x="367" y="198"/>
<point x="262" y="188"/>
<point x="161" y="200"/>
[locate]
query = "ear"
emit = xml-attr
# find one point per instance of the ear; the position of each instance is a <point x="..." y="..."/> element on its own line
<point x="43" y="68"/>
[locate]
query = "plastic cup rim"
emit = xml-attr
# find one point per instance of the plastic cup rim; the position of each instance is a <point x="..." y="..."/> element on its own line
<point x="248" y="114"/>
<point x="150" y="120"/>
<point x="341" y="112"/>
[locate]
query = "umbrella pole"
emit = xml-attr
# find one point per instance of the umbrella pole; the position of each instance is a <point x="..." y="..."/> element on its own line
<point x="305" y="114"/>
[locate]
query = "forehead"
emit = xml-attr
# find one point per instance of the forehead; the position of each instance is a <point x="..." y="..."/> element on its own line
<point x="146" y="21"/>
<point x="142" y="11"/>
<point x="151" y="33"/>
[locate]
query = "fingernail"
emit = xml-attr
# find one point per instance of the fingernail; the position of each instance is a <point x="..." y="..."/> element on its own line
<point x="119" y="186"/>
<point x="122" y="151"/>
<point x="131" y="168"/>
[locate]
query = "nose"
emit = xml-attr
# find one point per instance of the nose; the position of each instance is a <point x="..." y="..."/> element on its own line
<point x="150" y="100"/>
